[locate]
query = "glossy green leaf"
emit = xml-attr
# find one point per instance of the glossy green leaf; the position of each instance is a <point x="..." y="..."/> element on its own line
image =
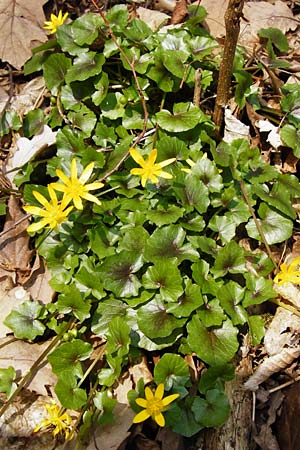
<point x="212" y="411"/>
<point x="86" y="28"/>
<point x="185" y="117"/>
<point x="225" y="227"/>
<point x="193" y="194"/>
<point x="55" y="70"/>
<point x="278" y="197"/>
<point x="166" y="278"/>
<point x="65" y="35"/>
<point x="105" y="312"/>
<point x="190" y="300"/>
<point x="117" y="272"/>
<point x="276" y="228"/>
<point x="229" y="259"/>
<point x="109" y="375"/>
<point x="216" y="377"/>
<point x="211" y="313"/>
<point x="182" y="420"/>
<point x="258" y="290"/>
<point x="291" y="137"/>
<point x="68" y="392"/>
<point x="71" y="301"/>
<point x="256" y="328"/>
<point x="118" y="339"/>
<point x="68" y="356"/>
<point x="23" y="320"/>
<point x="214" y="346"/>
<point x="105" y="405"/>
<point x="85" y="66"/>
<point x="7" y="383"/>
<point x="171" y="370"/>
<point x="154" y="321"/>
<point x="161" y="216"/>
<point x="231" y="296"/>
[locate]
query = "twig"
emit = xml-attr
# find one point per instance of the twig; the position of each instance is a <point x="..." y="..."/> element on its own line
<point x="232" y="25"/>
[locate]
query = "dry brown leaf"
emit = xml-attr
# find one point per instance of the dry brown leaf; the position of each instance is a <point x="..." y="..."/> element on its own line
<point x="38" y="284"/>
<point x="110" y="437"/>
<point x="14" y="244"/>
<point x="264" y="15"/>
<point x="26" y="96"/>
<point x="169" y="439"/>
<point x="140" y="370"/>
<point x="287" y="426"/>
<point x="154" y="19"/>
<point x="21" y="24"/>
<point x="179" y="12"/>
<point x="21" y="355"/>
<point x="215" y="16"/>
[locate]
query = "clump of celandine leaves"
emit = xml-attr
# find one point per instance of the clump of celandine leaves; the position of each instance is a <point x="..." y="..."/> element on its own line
<point x="150" y="262"/>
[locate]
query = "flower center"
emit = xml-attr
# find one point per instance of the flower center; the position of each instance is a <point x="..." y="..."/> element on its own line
<point x="155" y="406"/>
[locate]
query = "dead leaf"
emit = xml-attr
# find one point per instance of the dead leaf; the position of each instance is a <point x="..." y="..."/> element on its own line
<point x="215" y="16"/>
<point x="273" y="132"/>
<point x="140" y="370"/>
<point x="154" y="19"/>
<point x="26" y="96"/>
<point x="14" y="244"/>
<point x="264" y="15"/>
<point x="38" y="283"/>
<point x="234" y="128"/>
<point x="169" y="439"/>
<point x="179" y="12"/>
<point x="21" y="355"/>
<point x="265" y="437"/>
<point x="167" y="5"/>
<point x="143" y="443"/>
<point x="21" y="24"/>
<point x="110" y="437"/>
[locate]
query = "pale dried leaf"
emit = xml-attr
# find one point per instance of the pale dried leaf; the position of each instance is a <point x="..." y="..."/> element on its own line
<point x="270" y="366"/>
<point x="234" y="128"/>
<point x="22" y="355"/>
<point x="167" y="5"/>
<point x="38" y="284"/>
<point x="264" y="15"/>
<point x="273" y="132"/>
<point x="14" y="243"/>
<point x="140" y="370"/>
<point x="215" y="16"/>
<point x="154" y="19"/>
<point x="21" y="24"/>
<point x="122" y="390"/>
<point x="28" y="148"/>
<point x="289" y="292"/>
<point x="110" y="437"/>
<point x="25" y="100"/>
<point x="281" y="331"/>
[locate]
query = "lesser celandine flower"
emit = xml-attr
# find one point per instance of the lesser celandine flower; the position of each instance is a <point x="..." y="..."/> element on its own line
<point x="60" y="422"/>
<point x="149" y="169"/>
<point x="74" y="188"/>
<point x="191" y="163"/>
<point x="53" y="213"/>
<point x="154" y="405"/>
<point x="289" y="274"/>
<point x="55" y="22"/>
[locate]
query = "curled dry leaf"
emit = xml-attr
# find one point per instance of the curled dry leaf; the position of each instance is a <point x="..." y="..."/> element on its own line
<point x="21" y="24"/>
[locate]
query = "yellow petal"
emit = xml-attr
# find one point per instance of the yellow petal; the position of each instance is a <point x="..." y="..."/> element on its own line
<point x="93" y="186"/>
<point x="35" y="210"/>
<point x="62" y="177"/>
<point x="167" y="162"/>
<point x="165" y="175"/>
<point x="137" y="156"/>
<point x="169" y="399"/>
<point x="159" y="393"/>
<point x="137" y="171"/>
<point x="152" y="156"/>
<point x="73" y="169"/>
<point x="141" y="416"/>
<point x="37" y="226"/>
<point x="148" y="393"/>
<point x="91" y="198"/>
<point x="40" y="198"/>
<point x="142" y="402"/>
<point x="159" y="419"/>
<point x="87" y="172"/>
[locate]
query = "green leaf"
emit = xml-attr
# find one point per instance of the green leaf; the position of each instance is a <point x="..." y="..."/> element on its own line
<point x="7" y="384"/>
<point x="225" y="227"/>
<point x="23" y="320"/>
<point x="258" y="290"/>
<point x="65" y="35"/>
<point x="206" y="170"/>
<point x="172" y="371"/>
<point x="68" y="392"/>
<point x="102" y="240"/>
<point x="33" y="123"/>
<point x="185" y="117"/>
<point x="291" y="137"/>
<point x="154" y="321"/>
<point x="86" y="28"/>
<point x="193" y="193"/>
<point x="275" y="227"/>
<point x="108" y="376"/>
<point x="83" y="119"/>
<point x="182" y="419"/>
<point x="9" y="121"/>
<point x="85" y="66"/>
<point x="229" y="259"/>
<point x="55" y="70"/>
<point x="118" y="273"/>
<point x="215" y="377"/>
<point x="71" y="301"/>
<point x="211" y="313"/>
<point x="277" y="38"/>
<point x="166" y="278"/>
<point x="105" y="312"/>
<point x="161" y="216"/>
<point x="160" y="74"/>
<point x="67" y="357"/>
<point x="190" y="300"/>
<point x="244" y="81"/>
<point x="278" y="197"/>
<point x="118" y="339"/>
<point x="212" y="411"/>
<point x="112" y="107"/>
<point x="256" y="328"/>
<point x="166" y="243"/>
<point x="105" y="404"/>
<point x="214" y="346"/>
<point x="230" y="296"/>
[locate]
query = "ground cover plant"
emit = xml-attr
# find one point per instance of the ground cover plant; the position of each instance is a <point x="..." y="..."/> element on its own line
<point x="157" y="235"/>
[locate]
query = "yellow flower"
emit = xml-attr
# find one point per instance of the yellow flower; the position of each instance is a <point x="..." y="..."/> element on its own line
<point x="289" y="274"/>
<point x="55" y="22"/>
<point x="149" y="170"/>
<point x="154" y="405"/>
<point x="74" y="188"/>
<point x="53" y="213"/>
<point x="60" y="422"/>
